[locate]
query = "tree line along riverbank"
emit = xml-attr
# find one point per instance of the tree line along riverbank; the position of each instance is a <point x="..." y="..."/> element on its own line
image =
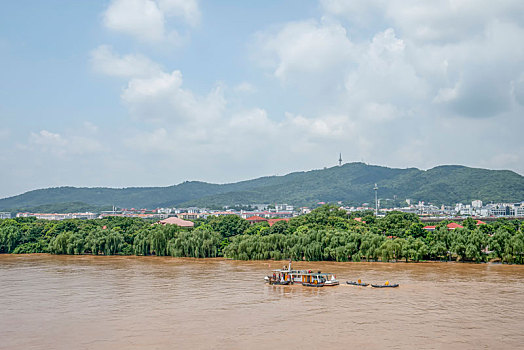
<point x="327" y="233"/>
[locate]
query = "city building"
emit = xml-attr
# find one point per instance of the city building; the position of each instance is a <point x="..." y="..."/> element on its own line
<point x="190" y="215"/>
<point x="176" y="221"/>
<point x="58" y="216"/>
<point x="255" y="219"/>
<point x="271" y="222"/>
<point x="476" y="204"/>
<point x="453" y="226"/>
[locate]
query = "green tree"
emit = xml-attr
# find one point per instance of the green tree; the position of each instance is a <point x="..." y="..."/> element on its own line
<point x="228" y="225"/>
<point x="470" y="224"/>
<point x="60" y="243"/>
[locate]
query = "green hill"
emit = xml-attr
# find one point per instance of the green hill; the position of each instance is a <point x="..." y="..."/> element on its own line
<point x="350" y="183"/>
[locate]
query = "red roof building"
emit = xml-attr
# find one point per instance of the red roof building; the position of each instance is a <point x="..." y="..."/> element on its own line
<point x="176" y="221"/>
<point x="480" y="223"/>
<point x="453" y="225"/>
<point x="255" y="219"/>
<point x="430" y="228"/>
<point x="271" y="222"/>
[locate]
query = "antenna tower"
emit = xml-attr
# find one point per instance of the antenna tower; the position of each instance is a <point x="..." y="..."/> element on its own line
<point x="376" y="200"/>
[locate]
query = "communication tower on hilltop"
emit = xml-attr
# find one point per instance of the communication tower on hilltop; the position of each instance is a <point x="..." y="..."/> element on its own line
<point x="376" y="200"/>
<point x="340" y="160"/>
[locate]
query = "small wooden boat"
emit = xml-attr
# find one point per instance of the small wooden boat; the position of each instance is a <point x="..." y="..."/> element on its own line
<point x="352" y="283"/>
<point x="385" y="285"/>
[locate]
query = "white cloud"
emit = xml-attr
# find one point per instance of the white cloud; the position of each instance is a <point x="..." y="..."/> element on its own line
<point x="403" y="87"/>
<point x="46" y="138"/>
<point x="391" y="82"/>
<point x="358" y="12"/>
<point x="306" y="47"/>
<point x="185" y="9"/>
<point x="148" y="20"/>
<point x="47" y="142"/>
<point x="382" y="73"/>
<point x="320" y="128"/>
<point x="140" y="18"/>
<point x="232" y="135"/>
<point x="90" y="127"/>
<point x="163" y="99"/>
<point x="445" y="95"/>
<point x="477" y="77"/>
<point x="404" y="66"/>
<point x="106" y="61"/>
<point x="390" y="98"/>
<point x="437" y="21"/>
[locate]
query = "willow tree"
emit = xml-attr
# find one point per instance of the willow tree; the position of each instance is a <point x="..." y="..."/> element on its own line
<point x="198" y="243"/>
<point x="113" y="243"/>
<point x="59" y="244"/>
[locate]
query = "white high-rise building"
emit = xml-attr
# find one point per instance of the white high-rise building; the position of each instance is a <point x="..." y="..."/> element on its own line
<point x="476" y="203"/>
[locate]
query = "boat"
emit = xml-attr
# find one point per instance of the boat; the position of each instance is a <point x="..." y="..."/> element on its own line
<point x="281" y="282"/>
<point x="359" y="283"/>
<point x="286" y="275"/>
<point x="385" y="285"/>
<point x="331" y="280"/>
<point x="307" y="284"/>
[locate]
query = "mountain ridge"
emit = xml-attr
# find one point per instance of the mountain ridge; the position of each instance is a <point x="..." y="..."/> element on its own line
<point x="349" y="183"/>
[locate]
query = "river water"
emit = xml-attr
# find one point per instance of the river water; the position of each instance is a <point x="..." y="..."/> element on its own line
<point x="85" y="302"/>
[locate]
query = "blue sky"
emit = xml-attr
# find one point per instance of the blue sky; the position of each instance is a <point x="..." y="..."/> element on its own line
<point x="155" y="92"/>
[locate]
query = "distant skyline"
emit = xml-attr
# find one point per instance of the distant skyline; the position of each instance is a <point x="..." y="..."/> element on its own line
<point x="156" y="92"/>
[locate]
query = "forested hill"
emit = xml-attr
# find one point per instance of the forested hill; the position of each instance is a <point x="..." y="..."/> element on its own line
<point x="350" y="183"/>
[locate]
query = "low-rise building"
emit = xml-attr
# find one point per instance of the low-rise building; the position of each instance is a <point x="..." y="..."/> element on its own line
<point x="190" y="215"/>
<point x="255" y="219"/>
<point x="271" y="222"/>
<point x="453" y="226"/>
<point x="58" y="216"/>
<point x="176" y="221"/>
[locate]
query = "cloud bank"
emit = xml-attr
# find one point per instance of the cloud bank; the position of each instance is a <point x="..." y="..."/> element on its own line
<point x="393" y="83"/>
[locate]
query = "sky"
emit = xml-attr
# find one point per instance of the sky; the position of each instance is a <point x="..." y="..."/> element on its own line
<point x="121" y="93"/>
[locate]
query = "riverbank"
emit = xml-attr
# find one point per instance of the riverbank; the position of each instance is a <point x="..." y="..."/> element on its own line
<point x="271" y="263"/>
<point x="326" y="234"/>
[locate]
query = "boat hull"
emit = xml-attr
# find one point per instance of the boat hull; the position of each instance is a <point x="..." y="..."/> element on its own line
<point x="318" y="285"/>
<point x="385" y="286"/>
<point x="331" y="283"/>
<point x="351" y="283"/>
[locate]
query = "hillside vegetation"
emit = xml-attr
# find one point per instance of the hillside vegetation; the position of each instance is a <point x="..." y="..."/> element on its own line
<point x="351" y="183"/>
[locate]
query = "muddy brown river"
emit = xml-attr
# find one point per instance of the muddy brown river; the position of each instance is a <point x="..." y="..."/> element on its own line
<point x="85" y="302"/>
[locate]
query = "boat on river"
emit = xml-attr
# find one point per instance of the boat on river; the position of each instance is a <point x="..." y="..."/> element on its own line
<point x="307" y="278"/>
<point x="358" y="283"/>
<point x="385" y="285"/>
